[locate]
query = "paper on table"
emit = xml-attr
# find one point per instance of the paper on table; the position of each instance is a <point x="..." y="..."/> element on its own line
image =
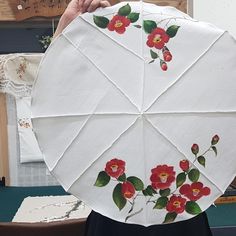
<point x="51" y="208"/>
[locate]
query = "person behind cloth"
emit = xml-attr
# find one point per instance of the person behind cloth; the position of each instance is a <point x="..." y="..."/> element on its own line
<point x="99" y="225"/>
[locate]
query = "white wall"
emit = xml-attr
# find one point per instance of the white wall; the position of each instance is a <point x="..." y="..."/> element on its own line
<point x="222" y="13"/>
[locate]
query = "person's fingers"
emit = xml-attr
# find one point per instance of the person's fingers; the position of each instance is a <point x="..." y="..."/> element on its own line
<point x="94" y="5"/>
<point x="86" y="4"/>
<point x="80" y="4"/>
<point x="72" y="10"/>
<point x="105" y="4"/>
<point x="73" y="4"/>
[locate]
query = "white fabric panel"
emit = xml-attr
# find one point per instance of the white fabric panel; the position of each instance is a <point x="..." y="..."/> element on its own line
<point x="17" y="74"/>
<point x="29" y="148"/>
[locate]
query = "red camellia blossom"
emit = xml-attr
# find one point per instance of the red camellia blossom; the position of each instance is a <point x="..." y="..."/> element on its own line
<point x="176" y="204"/>
<point x="118" y="24"/>
<point x="157" y="38"/>
<point x="115" y="168"/>
<point x="127" y="189"/>
<point x="184" y="165"/>
<point x="195" y="148"/>
<point x="162" y="176"/>
<point x="194" y="191"/>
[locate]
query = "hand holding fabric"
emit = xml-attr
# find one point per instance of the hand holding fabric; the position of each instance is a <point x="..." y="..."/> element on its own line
<point x="75" y="8"/>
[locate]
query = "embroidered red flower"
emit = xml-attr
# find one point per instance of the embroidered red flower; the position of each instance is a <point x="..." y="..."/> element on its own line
<point x="157" y="38"/>
<point x="115" y="168"/>
<point x="118" y="24"/>
<point x="127" y="189"/>
<point x="162" y="176"/>
<point x="194" y="191"/>
<point x="184" y="165"/>
<point x="176" y="204"/>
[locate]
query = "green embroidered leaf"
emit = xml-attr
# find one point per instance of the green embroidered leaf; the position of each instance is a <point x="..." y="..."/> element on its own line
<point x="133" y="16"/>
<point x="145" y="193"/>
<point x="161" y="203"/>
<point x="102" y="179"/>
<point x="181" y="178"/>
<point x="138" y="183"/>
<point x="100" y="21"/>
<point x="194" y="175"/>
<point x="138" y="26"/>
<point x="125" y="10"/>
<point x="172" y="30"/>
<point x="149" y="25"/>
<point x="122" y="178"/>
<point x="201" y="160"/>
<point x="149" y="191"/>
<point x="214" y="149"/>
<point x="164" y="192"/>
<point x="118" y="198"/>
<point x="153" y="54"/>
<point x="170" y="217"/>
<point x="151" y="61"/>
<point x="193" y="208"/>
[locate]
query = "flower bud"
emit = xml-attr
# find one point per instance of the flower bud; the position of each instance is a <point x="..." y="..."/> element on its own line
<point x="184" y="165"/>
<point x="166" y="54"/>
<point x="127" y="189"/>
<point x="195" y="149"/>
<point x="215" y="140"/>
<point x="163" y="65"/>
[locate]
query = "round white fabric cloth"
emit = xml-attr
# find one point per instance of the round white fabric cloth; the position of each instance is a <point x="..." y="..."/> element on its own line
<point x="134" y="110"/>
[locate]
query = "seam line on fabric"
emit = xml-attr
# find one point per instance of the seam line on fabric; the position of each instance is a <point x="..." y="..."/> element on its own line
<point x="143" y="90"/>
<point x="85" y="114"/>
<point x="190" y="112"/>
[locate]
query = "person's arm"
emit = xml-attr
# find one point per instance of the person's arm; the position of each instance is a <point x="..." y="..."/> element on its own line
<point x="75" y="8"/>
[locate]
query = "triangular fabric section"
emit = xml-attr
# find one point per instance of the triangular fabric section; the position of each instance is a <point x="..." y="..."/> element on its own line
<point x="208" y="86"/>
<point x="54" y="135"/>
<point x="75" y="90"/>
<point x="99" y="134"/>
<point x="125" y="71"/>
<point x="123" y="39"/>
<point x="193" y="133"/>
